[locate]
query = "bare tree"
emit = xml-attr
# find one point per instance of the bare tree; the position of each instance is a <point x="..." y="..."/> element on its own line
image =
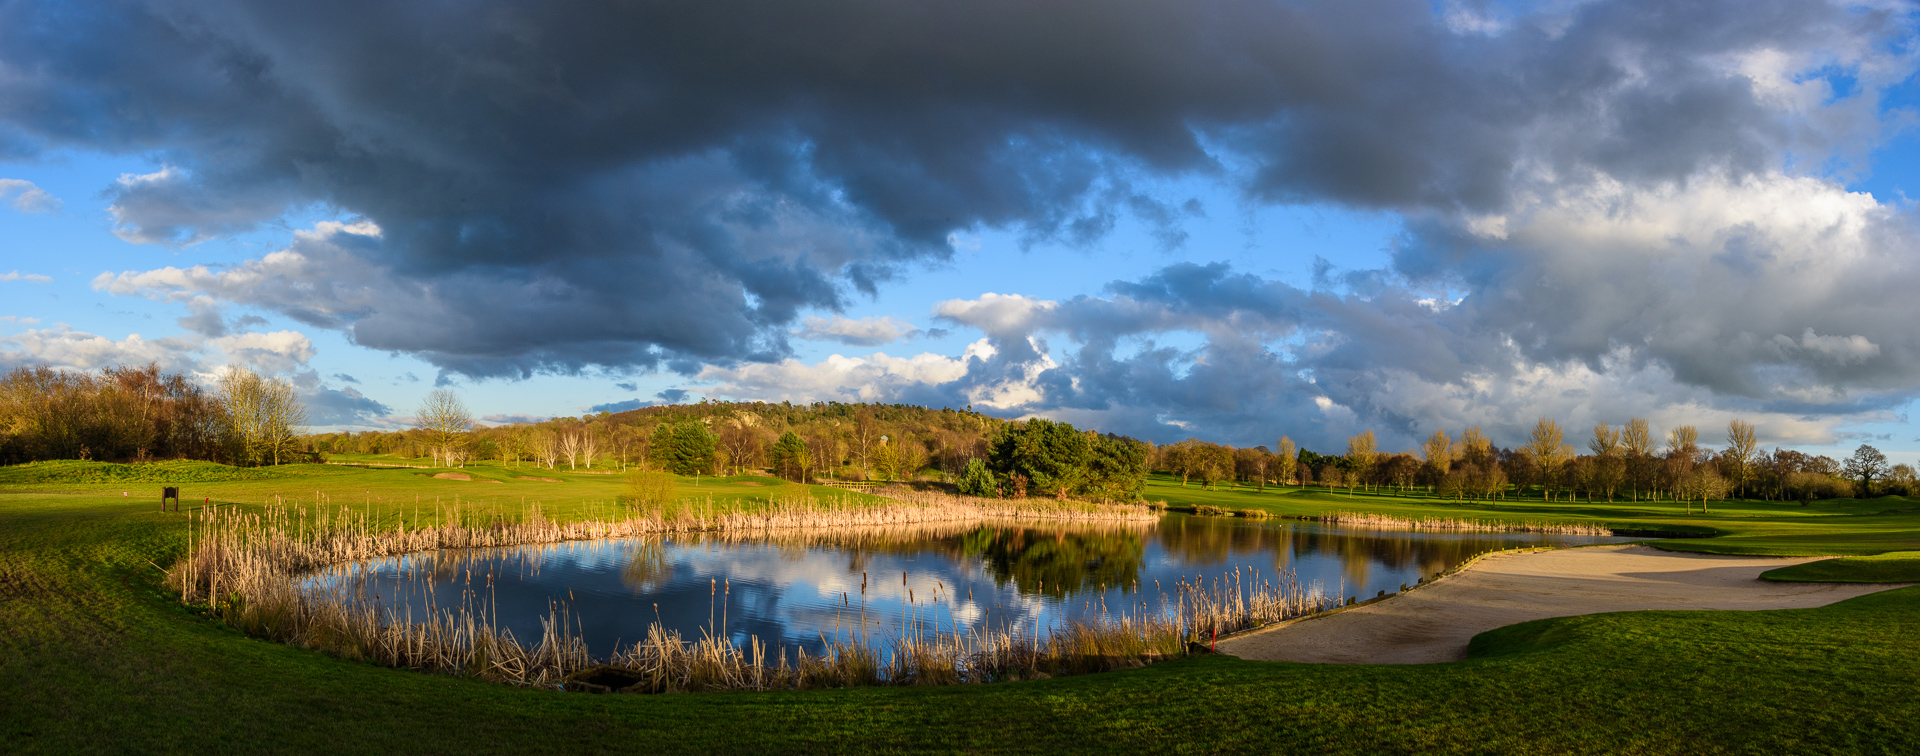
<point x="1437" y="454"/>
<point x="570" y="445"/>
<point x="1288" y="460"/>
<point x="1683" y="453"/>
<point x="621" y="438"/>
<point x="866" y="434"/>
<point x="240" y="391"/>
<point x="446" y="421"/>
<point x="266" y="413"/>
<point x="1361" y="452"/>
<point x="589" y="445"/>
<point x="826" y="450"/>
<point x="1635" y="438"/>
<point x="1608" y="466"/>
<point x="546" y="447"/>
<point x="1637" y="442"/>
<point x="741" y="440"/>
<point x="1251" y="465"/>
<point x="1742" y="443"/>
<point x="1547" y="445"/>
<point x="1684" y="440"/>
<point x="1473" y="445"/>
<point x="516" y="445"/>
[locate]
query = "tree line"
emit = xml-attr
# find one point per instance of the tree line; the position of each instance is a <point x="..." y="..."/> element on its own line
<point x="142" y="413"/>
<point x="134" y="414"/>
<point x="820" y="442"/>
<point x="823" y="441"/>
<point x="1627" y="461"/>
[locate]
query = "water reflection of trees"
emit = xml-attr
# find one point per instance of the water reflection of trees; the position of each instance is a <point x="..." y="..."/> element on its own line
<point x="1055" y="559"/>
<point x="649" y="567"/>
<point x="1058" y="562"/>
<point x="1203" y="540"/>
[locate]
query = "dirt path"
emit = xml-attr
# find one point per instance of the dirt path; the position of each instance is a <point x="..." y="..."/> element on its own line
<point x="1433" y="624"/>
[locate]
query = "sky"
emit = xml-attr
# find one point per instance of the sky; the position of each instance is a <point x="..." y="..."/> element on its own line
<point x="1230" y="219"/>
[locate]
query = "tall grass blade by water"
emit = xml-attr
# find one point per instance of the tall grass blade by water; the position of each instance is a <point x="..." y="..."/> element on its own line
<point x="1389" y="522"/>
<point x="246" y="569"/>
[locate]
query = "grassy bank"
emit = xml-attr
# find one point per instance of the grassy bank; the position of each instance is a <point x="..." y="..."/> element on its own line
<point x="1760" y="528"/>
<point x="1892" y="567"/>
<point x="96" y="656"/>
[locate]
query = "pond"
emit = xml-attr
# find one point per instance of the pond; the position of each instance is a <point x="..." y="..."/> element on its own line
<point x="802" y="588"/>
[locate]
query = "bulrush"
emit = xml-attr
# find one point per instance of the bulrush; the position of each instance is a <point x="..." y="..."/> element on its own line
<point x="246" y="568"/>
<point x="1388" y="522"/>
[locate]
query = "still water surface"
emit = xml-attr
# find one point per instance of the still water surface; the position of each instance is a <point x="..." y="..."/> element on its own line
<point x="802" y="588"/>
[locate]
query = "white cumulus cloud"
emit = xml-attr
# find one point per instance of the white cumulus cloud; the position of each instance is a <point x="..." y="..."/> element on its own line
<point x="27" y="197"/>
<point x="868" y="331"/>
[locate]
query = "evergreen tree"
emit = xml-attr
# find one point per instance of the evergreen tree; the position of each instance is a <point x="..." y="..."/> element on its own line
<point x="1116" y="468"/>
<point x="978" y="480"/>
<point x="684" y="448"/>
<point x="1051" y="456"/>
<point x="791" y="458"/>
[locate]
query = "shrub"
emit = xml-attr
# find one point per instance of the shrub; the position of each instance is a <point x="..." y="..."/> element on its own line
<point x="977" y="480"/>
<point x="648" y="489"/>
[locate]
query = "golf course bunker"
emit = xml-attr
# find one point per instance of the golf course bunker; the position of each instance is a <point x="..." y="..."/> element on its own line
<point x="1435" y="623"/>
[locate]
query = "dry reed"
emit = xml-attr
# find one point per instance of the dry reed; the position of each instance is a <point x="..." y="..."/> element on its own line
<point x="1388" y="522"/>
<point x="246" y="567"/>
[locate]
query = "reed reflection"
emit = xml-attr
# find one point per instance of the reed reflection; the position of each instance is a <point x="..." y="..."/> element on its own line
<point x="805" y="586"/>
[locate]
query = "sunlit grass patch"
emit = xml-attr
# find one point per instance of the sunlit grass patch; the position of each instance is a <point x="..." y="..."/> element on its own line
<point x="1891" y="567"/>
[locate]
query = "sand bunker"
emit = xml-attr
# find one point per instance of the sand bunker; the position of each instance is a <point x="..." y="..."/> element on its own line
<point x="542" y="480"/>
<point x="1434" y="623"/>
<point x="453" y="476"/>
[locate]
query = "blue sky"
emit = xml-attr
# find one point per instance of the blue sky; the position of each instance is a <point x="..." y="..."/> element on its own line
<point x="1224" y="219"/>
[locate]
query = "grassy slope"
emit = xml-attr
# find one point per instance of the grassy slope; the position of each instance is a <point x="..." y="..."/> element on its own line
<point x="577" y="492"/>
<point x="1891" y="567"/>
<point x="94" y="657"/>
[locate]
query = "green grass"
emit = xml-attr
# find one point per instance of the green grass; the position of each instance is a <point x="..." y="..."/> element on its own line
<point x="95" y="657"/>
<point x="1757" y="528"/>
<point x="561" y="492"/>
<point x="1892" y="567"/>
<point x="67" y="471"/>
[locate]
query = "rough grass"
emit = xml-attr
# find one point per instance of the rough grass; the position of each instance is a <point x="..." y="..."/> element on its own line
<point x="1892" y="567"/>
<point x="173" y="471"/>
<point x="96" y="657"/>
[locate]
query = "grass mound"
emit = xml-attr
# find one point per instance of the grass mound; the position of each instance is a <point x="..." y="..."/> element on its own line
<point x="90" y="471"/>
<point x="1895" y="567"/>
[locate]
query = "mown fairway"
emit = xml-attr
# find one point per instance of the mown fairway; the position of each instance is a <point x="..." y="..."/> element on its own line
<point x="1763" y="528"/>
<point x="96" y="657"/>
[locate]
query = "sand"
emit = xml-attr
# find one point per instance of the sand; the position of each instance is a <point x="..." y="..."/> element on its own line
<point x="1435" y="622"/>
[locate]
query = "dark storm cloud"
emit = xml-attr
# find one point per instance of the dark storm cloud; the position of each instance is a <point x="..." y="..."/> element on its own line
<point x="564" y="185"/>
<point x="1809" y="336"/>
